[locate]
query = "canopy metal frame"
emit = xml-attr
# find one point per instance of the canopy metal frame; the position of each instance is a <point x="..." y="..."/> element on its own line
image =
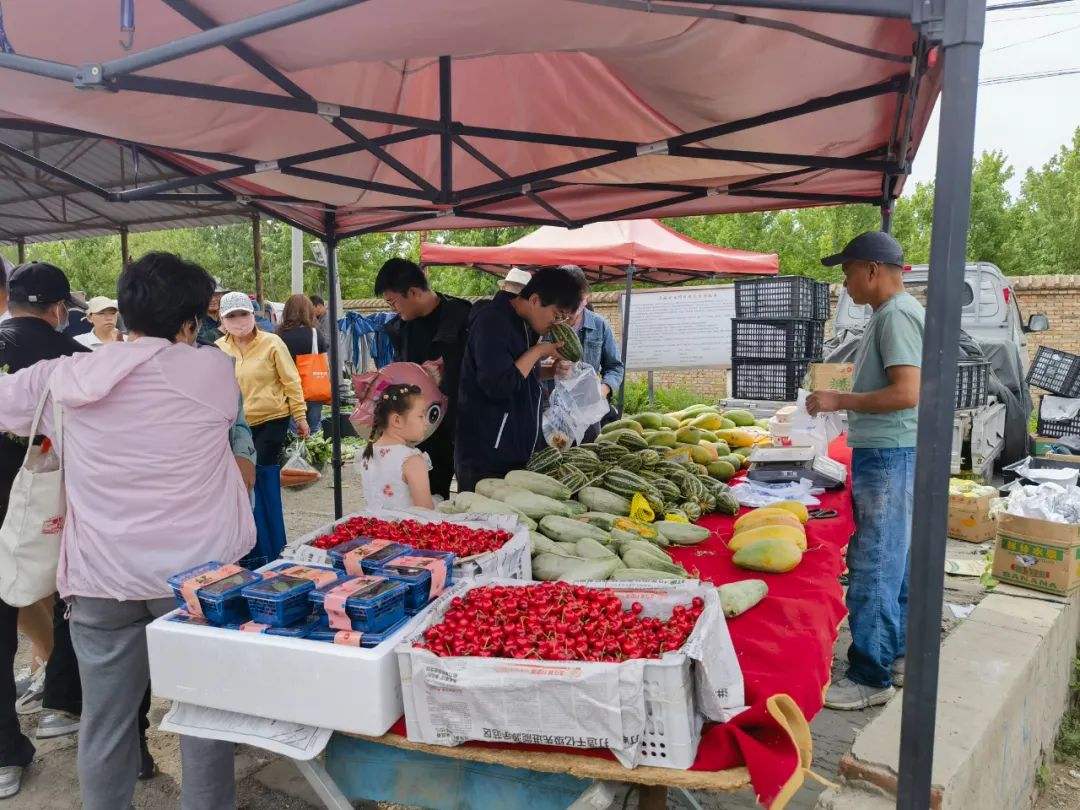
<point x="952" y="28"/>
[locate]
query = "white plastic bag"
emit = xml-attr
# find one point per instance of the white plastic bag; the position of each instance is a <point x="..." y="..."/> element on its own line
<point x="576" y="403"/>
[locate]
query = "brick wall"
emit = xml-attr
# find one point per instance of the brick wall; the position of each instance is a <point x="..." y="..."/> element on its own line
<point x="1057" y="297"/>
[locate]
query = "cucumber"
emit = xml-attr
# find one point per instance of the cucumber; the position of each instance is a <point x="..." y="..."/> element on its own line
<point x="591" y="550"/>
<point x="540" y="484"/>
<point x="635" y="558"/>
<point x="682" y="534"/>
<point x="536" y="506"/>
<point x="568" y="530"/>
<point x="600" y="500"/>
<point x="601" y="520"/>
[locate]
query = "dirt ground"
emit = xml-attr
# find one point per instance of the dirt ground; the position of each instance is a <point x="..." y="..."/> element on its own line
<point x="266" y="782"/>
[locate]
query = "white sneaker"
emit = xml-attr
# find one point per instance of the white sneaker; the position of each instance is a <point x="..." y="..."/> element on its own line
<point x="846" y="695"/>
<point x="57" y="724"/>
<point x="30" y="701"/>
<point x="25" y="677"/>
<point x="10" y="781"/>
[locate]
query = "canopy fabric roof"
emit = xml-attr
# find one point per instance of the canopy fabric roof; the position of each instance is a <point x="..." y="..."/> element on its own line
<point x="36" y="205"/>
<point x="380" y="114"/>
<point x="605" y="250"/>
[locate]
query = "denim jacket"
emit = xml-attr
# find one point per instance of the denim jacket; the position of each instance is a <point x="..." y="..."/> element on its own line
<point x="600" y="351"/>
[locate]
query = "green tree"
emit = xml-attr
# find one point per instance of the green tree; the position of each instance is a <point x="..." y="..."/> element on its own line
<point x="1047" y="234"/>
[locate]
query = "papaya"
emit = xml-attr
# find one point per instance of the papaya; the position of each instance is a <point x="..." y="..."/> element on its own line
<point x="649" y="421"/>
<point x="689" y="435"/>
<point x="735" y="437"/>
<point x="721" y="470"/>
<point x="738" y="597"/>
<point x="662" y="438"/>
<point x="764" y="516"/>
<point x="743" y="451"/>
<point x="734" y="460"/>
<point x="707" y="421"/>
<point x="772" y="556"/>
<point x="740" y="417"/>
<point x="693" y="410"/>
<point x="668" y="422"/>
<point x="747" y="537"/>
<point x="709" y="449"/>
<point x="698" y="454"/>
<point x="794" y="507"/>
<point x="622" y="424"/>
<point x="762" y="423"/>
<point x="727" y="424"/>
<point x="722" y="449"/>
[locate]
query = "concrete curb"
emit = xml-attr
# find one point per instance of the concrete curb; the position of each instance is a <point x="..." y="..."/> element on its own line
<point x="1004" y="682"/>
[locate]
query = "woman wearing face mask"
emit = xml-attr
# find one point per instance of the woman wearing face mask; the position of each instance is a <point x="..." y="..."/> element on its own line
<point x="272" y="393"/>
<point x="114" y="572"/>
<point x="102" y="313"/>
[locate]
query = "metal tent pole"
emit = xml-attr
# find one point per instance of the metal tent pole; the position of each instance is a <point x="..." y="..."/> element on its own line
<point x="886" y="218"/>
<point x="626" y="331"/>
<point x="256" y="260"/>
<point x="335" y="383"/>
<point x="125" y="256"/>
<point x="962" y="39"/>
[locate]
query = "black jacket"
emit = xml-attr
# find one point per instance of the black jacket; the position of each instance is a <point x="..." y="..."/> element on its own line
<point x="448" y="343"/>
<point x="500" y="410"/>
<point x="23" y="342"/>
<point x="298" y="341"/>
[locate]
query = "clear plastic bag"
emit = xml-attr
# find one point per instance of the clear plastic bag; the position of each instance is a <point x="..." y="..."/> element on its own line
<point x="296" y="473"/>
<point x="576" y="403"/>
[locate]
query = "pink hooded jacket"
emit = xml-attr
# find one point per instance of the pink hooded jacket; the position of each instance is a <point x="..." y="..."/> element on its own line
<point x="152" y="486"/>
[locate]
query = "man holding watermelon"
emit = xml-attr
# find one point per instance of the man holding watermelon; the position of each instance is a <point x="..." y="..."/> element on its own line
<point x="882" y="418"/>
<point x="500" y="397"/>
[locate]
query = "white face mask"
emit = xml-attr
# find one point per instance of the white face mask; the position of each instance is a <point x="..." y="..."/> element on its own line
<point x="62" y="320"/>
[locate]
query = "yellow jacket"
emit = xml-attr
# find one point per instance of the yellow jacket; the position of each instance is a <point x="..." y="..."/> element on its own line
<point x="268" y="378"/>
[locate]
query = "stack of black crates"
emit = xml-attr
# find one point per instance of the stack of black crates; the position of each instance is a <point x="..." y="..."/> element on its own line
<point x="777" y="332"/>
<point x="1056" y="372"/>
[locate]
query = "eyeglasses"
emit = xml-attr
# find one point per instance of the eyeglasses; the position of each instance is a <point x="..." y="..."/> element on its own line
<point x="562" y="317"/>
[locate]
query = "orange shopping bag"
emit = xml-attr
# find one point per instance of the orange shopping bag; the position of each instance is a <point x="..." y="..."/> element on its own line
<point x="314" y="371"/>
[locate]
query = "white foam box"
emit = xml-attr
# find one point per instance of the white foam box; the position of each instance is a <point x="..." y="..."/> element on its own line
<point x="296" y="680"/>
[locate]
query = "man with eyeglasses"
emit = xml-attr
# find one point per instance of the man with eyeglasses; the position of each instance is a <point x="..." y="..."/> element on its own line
<point x="500" y="397"/>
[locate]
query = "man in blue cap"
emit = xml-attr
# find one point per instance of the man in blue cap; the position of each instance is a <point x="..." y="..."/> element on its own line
<point x="882" y="417"/>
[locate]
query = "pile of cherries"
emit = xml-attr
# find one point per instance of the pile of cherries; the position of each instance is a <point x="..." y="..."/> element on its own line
<point x="453" y="537"/>
<point x="555" y="621"/>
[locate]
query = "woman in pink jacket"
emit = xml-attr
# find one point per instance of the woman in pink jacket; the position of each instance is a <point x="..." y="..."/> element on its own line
<point x="157" y="412"/>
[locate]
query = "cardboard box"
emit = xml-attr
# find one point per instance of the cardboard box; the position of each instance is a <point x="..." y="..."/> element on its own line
<point x="344" y="688"/>
<point x="1037" y="554"/>
<point x="831" y="376"/>
<point x="970" y="520"/>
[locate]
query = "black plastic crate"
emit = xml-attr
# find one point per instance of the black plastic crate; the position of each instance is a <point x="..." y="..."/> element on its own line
<point x="774" y="339"/>
<point x="816" y="347"/>
<point x="972" y="383"/>
<point x="1055" y="371"/>
<point x="822" y="304"/>
<point x="1058" y="428"/>
<point x="770" y="380"/>
<point x="777" y="297"/>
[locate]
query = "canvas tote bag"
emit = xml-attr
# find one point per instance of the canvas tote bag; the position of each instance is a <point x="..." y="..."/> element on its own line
<point x="314" y="371"/>
<point x="30" y="534"/>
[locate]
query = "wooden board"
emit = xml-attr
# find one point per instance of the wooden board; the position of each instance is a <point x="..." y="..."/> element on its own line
<point x="583" y="767"/>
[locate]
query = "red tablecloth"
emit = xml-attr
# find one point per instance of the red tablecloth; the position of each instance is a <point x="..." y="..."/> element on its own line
<point x="784" y="645"/>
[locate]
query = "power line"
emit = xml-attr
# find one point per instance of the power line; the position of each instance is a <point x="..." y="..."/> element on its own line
<point x="1025" y="77"/>
<point x="1045" y="16"/>
<point x="1025" y="4"/>
<point x="1034" y="39"/>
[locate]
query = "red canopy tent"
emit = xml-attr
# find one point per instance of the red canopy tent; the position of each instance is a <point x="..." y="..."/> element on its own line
<point x="608" y="251"/>
<point x="611" y="251"/>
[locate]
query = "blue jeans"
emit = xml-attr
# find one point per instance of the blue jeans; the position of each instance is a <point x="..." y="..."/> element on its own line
<point x="882" y="483"/>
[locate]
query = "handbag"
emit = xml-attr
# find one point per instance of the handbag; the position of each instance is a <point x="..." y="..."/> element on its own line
<point x="32" y="529"/>
<point x="314" y="371"/>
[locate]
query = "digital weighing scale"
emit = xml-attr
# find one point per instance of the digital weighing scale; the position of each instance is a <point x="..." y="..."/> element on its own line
<point x="784" y="465"/>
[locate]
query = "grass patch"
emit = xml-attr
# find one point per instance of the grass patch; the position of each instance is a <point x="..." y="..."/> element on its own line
<point x="1067" y="746"/>
<point x="665" y="399"/>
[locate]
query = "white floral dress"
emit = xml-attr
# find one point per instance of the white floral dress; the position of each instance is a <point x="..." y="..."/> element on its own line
<point x="384" y="485"/>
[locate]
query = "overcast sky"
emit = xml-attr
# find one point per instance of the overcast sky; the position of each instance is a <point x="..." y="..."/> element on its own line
<point x="1028" y="120"/>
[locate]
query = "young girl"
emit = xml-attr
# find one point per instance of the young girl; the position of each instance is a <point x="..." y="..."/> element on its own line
<point x="395" y="473"/>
